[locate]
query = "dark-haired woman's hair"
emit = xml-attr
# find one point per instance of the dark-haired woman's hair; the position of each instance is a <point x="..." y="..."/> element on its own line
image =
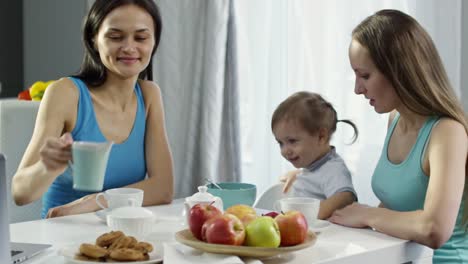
<point x="312" y="112"/>
<point x="92" y="71"/>
<point x="406" y="55"/>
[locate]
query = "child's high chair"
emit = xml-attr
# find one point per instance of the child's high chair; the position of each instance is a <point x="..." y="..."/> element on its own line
<point x="268" y="198"/>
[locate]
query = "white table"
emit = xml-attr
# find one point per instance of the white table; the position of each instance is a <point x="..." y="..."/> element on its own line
<point x="335" y="244"/>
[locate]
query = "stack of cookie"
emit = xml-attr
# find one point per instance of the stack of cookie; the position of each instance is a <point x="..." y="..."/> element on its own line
<point x="116" y="246"/>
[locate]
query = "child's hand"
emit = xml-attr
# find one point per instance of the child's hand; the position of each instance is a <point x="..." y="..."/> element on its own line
<point x="289" y="179"/>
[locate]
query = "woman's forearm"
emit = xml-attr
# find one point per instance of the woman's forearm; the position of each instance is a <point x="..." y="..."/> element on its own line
<point x="417" y="226"/>
<point x="30" y="183"/>
<point x="155" y="192"/>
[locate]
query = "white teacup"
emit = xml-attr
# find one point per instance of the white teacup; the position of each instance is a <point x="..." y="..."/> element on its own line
<point x="120" y="197"/>
<point x="309" y="207"/>
<point x="134" y="221"/>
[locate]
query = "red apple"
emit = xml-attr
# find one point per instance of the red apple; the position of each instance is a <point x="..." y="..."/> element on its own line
<point x="199" y="214"/>
<point x="224" y="229"/>
<point x="293" y="227"/>
<point x="272" y="214"/>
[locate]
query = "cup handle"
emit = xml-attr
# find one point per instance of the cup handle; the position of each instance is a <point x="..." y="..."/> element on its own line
<point x="98" y="202"/>
<point x="277" y="206"/>
<point x="132" y="202"/>
<point x="70" y="164"/>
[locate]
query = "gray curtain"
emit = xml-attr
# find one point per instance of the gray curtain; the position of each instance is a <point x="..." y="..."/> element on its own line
<point x="196" y="68"/>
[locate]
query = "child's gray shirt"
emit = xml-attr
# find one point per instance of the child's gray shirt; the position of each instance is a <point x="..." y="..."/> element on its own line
<point x="324" y="178"/>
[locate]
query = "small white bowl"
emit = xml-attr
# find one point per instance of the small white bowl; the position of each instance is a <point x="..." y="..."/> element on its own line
<point x="133" y="221"/>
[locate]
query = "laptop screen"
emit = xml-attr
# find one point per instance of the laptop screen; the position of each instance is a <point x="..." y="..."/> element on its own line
<point x="12" y="252"/>
<point x="5" y="255"/>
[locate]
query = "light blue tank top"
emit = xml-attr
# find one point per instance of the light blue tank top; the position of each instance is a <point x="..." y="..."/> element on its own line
<point x="126" y="163"/>
<point x="403" y="186"/>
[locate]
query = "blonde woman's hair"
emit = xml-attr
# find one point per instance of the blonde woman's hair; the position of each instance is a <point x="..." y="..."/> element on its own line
<point x="406" y="55"/>
<point x="311" y="112"/>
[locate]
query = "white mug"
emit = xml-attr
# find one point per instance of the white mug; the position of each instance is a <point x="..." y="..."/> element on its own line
<point x="89" y="164"/>
<point x="309" y="207"/>
<point x="120" y="197"/>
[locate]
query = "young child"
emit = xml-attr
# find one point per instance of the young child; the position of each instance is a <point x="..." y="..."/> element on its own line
<point x="303" y="125"/>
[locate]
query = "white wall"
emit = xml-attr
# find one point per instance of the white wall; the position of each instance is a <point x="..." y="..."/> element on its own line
<point x="464" y="62"/>
<point x="52" y="38"/>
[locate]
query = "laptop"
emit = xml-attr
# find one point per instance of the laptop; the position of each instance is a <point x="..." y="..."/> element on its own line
<point x="10" y="252"/>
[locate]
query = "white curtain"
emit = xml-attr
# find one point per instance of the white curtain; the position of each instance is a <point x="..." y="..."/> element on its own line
<point x="196" y="68"/>
<point x="287" y="46"/>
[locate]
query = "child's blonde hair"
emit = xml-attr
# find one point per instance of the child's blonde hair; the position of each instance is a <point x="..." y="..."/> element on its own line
<point x="310" y="111"/>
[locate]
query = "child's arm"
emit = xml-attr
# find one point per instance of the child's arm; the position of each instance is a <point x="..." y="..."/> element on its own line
<point x="335" y="202"/>
<point x="289" y="179"/>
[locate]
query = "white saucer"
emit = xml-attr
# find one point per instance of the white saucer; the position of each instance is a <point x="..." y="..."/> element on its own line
<point x="319" y="224"/>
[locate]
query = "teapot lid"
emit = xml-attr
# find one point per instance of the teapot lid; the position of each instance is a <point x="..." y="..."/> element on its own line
<point x="202" y="195"/>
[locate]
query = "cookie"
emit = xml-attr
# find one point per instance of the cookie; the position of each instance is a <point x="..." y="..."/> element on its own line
<point x="126" y="254"/>
<point x="144" y="247"/>
<point x="122" y="242"/>
<point x="93" y="251"/>
<point x="107" y="239"/>
<point x="85" y="258"/>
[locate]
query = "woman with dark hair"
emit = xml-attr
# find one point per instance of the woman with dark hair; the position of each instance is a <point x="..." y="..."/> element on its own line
<point x="112" y="98"/>
<point x="421" y="176"/>
<point x="93" y="71"/>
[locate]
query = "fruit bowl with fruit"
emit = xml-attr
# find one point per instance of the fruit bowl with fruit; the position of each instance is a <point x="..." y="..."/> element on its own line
<point x="185" y="237"/>
<point x="240" y="231"/>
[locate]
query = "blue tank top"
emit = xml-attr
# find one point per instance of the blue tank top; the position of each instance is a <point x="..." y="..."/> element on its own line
<point x="403" y="186"/>
<point x="126" y="163"/>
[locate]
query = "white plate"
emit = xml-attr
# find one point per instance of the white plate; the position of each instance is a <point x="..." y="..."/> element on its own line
<point x="319" y="224"/>
<point x="69" y="252"/>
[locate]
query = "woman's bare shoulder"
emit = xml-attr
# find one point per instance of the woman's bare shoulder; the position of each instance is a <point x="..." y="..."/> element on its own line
<point x="151" y="92"/>
<point x="448" y="128"/>
<point x="59" y="99"/>
<point x="149" y="87"/>
<point x="63" y="89"/>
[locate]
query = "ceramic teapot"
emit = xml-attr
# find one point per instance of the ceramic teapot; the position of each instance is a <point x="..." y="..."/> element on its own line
<point x="202" y="197"/>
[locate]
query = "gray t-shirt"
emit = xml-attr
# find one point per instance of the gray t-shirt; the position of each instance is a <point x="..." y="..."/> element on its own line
<point x="324" y="178"/>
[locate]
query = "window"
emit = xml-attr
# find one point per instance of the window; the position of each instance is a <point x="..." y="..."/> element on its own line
<point x="287" y="46"/>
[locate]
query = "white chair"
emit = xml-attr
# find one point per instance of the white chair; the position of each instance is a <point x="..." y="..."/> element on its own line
<point x="17" y="119"/>
<point x="268" y="198"/>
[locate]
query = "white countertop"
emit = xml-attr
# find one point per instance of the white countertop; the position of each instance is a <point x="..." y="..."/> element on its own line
<point x="335" y="244"/>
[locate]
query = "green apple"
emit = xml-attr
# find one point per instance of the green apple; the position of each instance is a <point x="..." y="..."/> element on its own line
<point x="262" y="232"/>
